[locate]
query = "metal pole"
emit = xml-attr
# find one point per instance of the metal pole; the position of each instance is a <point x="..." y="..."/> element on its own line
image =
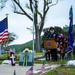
<point x="7" y="28"/>
<point x="33" y="28"/>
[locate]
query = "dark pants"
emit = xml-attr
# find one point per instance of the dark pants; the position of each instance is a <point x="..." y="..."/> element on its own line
<point x="47" y="55"/>
<point x="54" y="54"/>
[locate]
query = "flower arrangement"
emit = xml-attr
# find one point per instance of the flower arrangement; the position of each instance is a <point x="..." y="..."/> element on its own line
<point x="27" y="50"/>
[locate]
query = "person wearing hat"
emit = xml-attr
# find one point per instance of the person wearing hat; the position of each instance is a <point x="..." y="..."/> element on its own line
<point x="52" y="33"/>
<point x="53" y="52"/>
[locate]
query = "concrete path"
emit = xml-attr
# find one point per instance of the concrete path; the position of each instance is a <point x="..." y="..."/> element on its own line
<point x="21" y="70"/>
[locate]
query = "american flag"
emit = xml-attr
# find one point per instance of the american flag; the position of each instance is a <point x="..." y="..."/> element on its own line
<point x="3" y="30"/>
<point x="43" y="66"/>
<point x="30" y="71"/>
<point x="51" y="63"/>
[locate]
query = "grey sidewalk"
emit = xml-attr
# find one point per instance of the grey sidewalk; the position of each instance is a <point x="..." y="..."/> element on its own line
<point x="21" y="70"/>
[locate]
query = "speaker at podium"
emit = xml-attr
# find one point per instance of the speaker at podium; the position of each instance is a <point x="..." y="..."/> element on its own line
<point x="50" y="43"/>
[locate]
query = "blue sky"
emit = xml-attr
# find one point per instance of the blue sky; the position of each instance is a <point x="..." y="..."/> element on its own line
<point x="58" y="15"/>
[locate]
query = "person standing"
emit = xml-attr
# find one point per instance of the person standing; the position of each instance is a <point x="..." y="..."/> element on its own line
<point x="47" y="54"/>
<point x="53" y="35"/>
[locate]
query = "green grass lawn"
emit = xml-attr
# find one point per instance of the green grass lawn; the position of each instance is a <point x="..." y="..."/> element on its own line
<point x="35" y="61"/>
<point x="70" y="70"/>
<point x="38" y="54"/>
<point x="5" y="56"/>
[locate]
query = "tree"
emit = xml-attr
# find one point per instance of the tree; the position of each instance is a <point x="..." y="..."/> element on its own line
<point x="38" y="24"/>
<point x="11" y="38"/>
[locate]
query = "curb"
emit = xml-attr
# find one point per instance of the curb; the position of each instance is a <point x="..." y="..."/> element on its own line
<point x="37" y="72"/>
<point x="47" y="68"/>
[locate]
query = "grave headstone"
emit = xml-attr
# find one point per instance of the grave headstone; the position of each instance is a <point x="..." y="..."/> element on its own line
<point x="26" y="59"/>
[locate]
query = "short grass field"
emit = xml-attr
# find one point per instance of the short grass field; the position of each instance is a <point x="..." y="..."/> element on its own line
<point x="5" y="56"/>
<point x="63" y="70"/>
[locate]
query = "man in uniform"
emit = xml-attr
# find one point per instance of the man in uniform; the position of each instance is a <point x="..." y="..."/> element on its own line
<point x="53" y="51"/>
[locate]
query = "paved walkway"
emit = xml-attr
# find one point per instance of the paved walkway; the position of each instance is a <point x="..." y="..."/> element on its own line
<point x="21" y="70"/>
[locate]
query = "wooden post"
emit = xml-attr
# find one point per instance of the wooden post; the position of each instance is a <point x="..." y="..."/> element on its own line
<point x="0" y="49"/>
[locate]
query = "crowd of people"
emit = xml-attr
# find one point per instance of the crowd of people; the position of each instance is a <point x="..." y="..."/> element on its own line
<point x="62" y="44"/>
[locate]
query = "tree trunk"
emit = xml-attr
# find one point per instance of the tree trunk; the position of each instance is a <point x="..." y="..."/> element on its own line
<point x="37" y="33"/>
<point x="38" y="46"/>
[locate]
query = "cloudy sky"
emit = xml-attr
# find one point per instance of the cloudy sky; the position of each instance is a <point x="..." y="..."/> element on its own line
<point x="57" y="16"/>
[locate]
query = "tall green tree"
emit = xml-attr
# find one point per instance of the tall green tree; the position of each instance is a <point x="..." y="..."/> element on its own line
<point x="11" y="38"/>
<point x="39" y="14"/>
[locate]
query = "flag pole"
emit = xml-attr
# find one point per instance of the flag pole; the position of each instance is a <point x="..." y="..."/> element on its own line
<point x="33" y="30"/>
<point x="0" y="50"/>
<point x="33" y="26"/>
<point x="7" y="28"/>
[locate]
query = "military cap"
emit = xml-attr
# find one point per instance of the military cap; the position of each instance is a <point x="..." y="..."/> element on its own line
<point x="51" y="28"/>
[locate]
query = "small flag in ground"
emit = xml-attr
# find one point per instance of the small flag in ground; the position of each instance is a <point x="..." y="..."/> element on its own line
<point x="43" y="66"/>
<point x="51" y="63"/>
<point x="30" y="71"/>
<point x="14" y="72"/>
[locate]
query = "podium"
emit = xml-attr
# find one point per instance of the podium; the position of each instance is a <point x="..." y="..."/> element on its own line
<point x="50" y="43"/>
